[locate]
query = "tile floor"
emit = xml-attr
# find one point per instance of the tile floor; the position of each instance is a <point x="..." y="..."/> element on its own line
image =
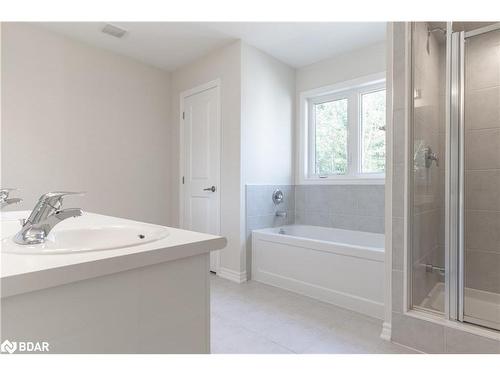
<point x="257" y="318"/>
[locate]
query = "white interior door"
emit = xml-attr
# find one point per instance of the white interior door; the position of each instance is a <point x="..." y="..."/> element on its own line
<point x="201" y="164"/>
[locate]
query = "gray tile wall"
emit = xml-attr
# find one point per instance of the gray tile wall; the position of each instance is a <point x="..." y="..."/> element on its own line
<point x="261" y="212"/>
<point x="354" y="207"/>
<point x="428" y="183"/>
<point x="482" y="163"/>
<point x="398" y="176"/>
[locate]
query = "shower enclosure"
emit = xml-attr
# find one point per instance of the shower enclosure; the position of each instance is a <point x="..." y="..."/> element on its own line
<point x="454" y="172"/>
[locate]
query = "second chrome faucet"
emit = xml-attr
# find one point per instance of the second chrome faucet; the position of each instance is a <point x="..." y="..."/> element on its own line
<point x="4" y="197"/>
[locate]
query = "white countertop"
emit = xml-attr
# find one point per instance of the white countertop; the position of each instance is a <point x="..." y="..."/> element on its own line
<point x="22" y="273"/>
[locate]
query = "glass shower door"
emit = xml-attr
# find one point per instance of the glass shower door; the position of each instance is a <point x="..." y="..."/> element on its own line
<point x="480" y="178"/>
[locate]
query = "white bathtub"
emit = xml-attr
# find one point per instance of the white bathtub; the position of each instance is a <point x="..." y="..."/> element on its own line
<point x="342" y="267"/>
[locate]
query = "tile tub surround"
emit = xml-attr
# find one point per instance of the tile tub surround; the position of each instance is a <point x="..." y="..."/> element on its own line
<point x="353" y="207"/>
<point x="261" y="212"/>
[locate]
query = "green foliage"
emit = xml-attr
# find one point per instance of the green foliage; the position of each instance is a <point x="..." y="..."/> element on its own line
<point x="331" y="121"/>
<point x="373" y="125"/>
<point x="331" y="137"/>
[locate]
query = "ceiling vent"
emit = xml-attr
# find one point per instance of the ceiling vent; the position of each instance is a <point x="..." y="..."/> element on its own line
<point x="113" y="30"/>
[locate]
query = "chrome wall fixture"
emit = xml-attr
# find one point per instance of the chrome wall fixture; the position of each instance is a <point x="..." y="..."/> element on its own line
<point x="278" y="197"/>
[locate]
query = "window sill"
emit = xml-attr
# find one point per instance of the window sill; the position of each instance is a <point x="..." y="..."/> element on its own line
<point x="343" y="181"/>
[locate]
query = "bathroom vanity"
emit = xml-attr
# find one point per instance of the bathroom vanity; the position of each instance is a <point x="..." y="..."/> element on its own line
<point x="102" y="284"/>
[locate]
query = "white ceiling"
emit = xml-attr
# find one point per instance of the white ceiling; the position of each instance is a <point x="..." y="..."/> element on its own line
<point x="169" y="45"/>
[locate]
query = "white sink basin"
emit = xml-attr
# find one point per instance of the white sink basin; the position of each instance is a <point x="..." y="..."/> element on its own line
<point x="76" y="237"/>
<point x="14" y="215"/>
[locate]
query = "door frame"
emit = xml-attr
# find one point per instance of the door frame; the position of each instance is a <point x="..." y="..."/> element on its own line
<point x="216" y="83"/>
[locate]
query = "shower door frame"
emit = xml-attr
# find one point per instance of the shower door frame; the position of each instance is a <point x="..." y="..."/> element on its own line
<point x="455" y="180"/>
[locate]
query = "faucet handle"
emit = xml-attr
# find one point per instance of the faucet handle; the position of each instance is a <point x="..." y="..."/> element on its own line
<point x="54" y="197"/>
<point x="4" y="192"/>
<point x="58" y="194"/>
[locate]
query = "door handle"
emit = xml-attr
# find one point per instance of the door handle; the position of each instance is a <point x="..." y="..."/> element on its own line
<point x="212" y="189"/>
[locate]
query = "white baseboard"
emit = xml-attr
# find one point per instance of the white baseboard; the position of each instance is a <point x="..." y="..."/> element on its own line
<point x="335" y="297"/>
<point x="237" y="277"/>
<point x="386" y="331"/>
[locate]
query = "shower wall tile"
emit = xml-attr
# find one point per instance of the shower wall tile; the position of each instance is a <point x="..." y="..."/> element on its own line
<point x="481" y="190"/>
<point x="482" y="149"/>
<point x="397" y="243"/>
<point x="399" y="66"/>
<point x="426" y="225"/>
<point x="398" y="186"/>
<point x="482" y="230"/>
<point x="397" y="291"/>
<point x="398" y="177"/>
<point x="483" y="61"/>
<point x="482" y="109"/>
<point x="482" y="270"/>
<point x="482" y="163"/>
<point x="399" y="137"/>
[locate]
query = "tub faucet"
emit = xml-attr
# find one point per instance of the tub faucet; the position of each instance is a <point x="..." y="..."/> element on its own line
<point x="44" y="217"/>
<point x="281" y="213"/>
<point x="4" y="197"/>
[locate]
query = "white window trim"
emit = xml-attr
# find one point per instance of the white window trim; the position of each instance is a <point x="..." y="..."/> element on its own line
<point x="305" y="149"/>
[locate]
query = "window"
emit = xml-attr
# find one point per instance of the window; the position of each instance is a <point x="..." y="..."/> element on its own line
<point x="331" y="137"/>
<point x="342" y="134"/>
<point x="373" y="132"/>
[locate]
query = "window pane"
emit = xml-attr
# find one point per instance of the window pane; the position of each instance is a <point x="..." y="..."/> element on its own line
<point x="331" y="137"/>
<point x="373" y="132"/>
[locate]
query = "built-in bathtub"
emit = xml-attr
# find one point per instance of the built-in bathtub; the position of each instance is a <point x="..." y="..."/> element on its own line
<point x="342" y="267"/>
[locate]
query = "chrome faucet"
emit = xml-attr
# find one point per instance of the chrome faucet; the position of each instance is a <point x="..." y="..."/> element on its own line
<point x="4" y="197"/>
<point x="430" y="156"/>
<point x="45" y="216"/>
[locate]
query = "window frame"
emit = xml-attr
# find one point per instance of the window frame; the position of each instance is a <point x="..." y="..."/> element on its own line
<point x="352" y="91"/>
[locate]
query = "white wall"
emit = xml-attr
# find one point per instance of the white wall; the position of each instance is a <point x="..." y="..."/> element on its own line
<point x="267" y="121"/>
<point x="223" y="64"/>
<point x="79" y="118"/>
<point x="353" y="64"/>
<point x="257" y="96"/>
<point x="267" y="106"/>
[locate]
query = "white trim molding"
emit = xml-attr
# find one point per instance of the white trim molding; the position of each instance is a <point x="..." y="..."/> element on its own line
<point x="386" y="331"/>
<point x="229" y="274"/>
